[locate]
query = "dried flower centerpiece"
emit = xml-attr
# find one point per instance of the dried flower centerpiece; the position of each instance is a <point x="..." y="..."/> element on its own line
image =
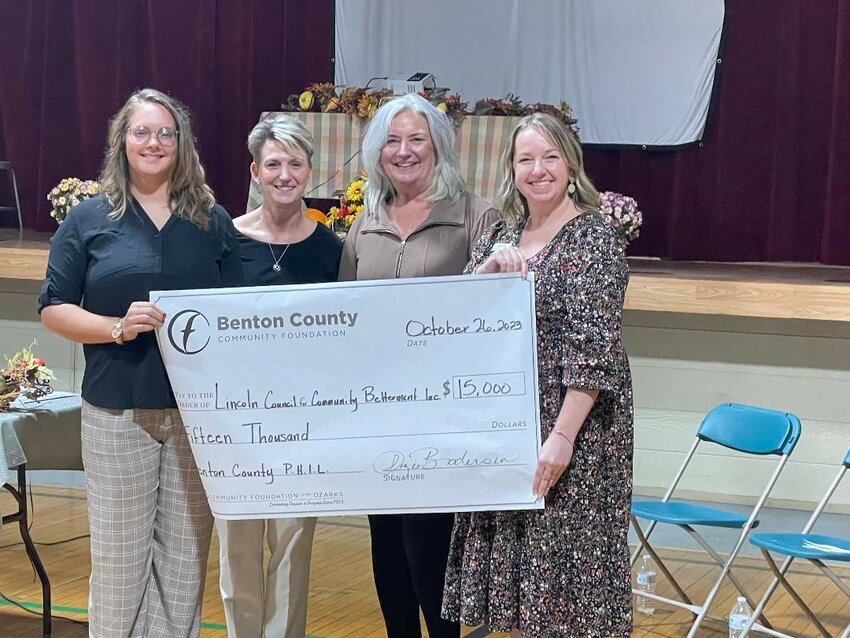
<point x="24" y="375"/>
<point x="326" y="97"/>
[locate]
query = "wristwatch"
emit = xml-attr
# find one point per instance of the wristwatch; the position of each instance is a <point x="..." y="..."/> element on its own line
<point x="118" y="331"/>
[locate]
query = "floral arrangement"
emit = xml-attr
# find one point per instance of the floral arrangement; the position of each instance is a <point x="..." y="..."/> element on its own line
<point x="350" y="206"/>
<point x="622" y="213"/>
<point x="330" y="98"/>
<point x="68" y="193"/>
<point x="362" y="103"/>
<point x="451" y="105"/>
<point x="24" y="375"/>
<point x="512" y="106"/>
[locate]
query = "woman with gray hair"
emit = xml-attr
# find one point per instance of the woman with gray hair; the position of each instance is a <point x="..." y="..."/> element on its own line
<point x="419" y="221"/>
<point x="155" y="227"/>
<point x="279" y="245"/>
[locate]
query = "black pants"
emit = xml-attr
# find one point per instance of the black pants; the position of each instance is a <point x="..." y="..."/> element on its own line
<point x="409" y="554"/>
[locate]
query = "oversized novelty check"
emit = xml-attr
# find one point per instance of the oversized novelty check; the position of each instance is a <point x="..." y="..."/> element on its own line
<point x="348" y="398"/>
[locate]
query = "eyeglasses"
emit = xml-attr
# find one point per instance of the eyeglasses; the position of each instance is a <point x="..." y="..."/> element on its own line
<point x="141" y="134"/>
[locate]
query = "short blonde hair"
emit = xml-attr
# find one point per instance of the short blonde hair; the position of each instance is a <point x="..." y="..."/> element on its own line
<point x="287" y="130"/>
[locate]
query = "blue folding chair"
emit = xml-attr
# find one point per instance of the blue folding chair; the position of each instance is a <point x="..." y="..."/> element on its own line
<point x="814" y="548"/>
<point x="747" y="429"/>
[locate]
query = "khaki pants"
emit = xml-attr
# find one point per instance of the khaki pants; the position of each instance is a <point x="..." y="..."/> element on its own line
<point x="274" y="601"/>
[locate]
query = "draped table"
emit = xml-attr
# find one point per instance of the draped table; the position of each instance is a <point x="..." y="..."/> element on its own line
<point x="336" y="145"/>
<point x="38" y="435"/>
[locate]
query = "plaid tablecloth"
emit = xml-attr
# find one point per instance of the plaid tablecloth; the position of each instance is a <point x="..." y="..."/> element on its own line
<point x="336" y="160"/>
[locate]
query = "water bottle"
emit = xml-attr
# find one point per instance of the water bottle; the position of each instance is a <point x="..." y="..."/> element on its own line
<point x="739" y="617"/>
<point x="645" y="583"/>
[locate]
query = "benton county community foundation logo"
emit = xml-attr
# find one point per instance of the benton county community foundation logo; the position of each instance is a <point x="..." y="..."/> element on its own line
<point x="188" y="331"/>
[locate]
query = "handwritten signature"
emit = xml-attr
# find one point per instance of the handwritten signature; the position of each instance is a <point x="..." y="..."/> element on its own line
<point x="430" y="458"/>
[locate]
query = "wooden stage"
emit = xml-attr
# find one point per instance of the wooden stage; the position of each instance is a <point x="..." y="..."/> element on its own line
<point x="760" y="290"/>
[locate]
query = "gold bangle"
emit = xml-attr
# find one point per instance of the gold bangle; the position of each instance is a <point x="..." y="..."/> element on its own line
<point x="566" y="438"/>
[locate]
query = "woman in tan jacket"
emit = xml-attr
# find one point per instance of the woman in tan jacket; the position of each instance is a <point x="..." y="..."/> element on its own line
<point x="419" y="221"/>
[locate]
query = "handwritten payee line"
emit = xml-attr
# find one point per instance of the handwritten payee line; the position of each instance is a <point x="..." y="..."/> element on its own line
<point x="348" y="405"/>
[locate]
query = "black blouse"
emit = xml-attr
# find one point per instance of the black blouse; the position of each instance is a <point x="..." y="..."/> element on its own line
<point x="108" y="264"/>
<point x="311" y="261"/>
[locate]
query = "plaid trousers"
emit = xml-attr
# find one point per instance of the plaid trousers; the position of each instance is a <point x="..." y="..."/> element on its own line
<point x="150" y="524"/>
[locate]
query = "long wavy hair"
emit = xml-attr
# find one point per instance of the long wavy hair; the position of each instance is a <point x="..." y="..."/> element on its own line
<point x="189" y="196"/>
<point x="446" y="182"/>
<point x="512" y="203"/>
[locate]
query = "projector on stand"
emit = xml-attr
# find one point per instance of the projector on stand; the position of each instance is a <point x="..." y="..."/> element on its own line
<point x="401" y="83"/>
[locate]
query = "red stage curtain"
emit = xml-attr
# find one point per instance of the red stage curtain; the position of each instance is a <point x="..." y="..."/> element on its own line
<point x="771" y="181"/>
<point x="66" y="67"/>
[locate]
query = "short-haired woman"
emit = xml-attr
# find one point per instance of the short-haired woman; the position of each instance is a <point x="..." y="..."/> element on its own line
<point x="279" y="245"/>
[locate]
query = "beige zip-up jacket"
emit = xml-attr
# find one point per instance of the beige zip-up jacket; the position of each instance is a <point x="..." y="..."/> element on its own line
<point x="441" y="245"/>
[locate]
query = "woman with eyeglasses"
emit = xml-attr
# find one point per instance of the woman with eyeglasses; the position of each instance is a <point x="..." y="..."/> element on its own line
<point x="155" y="227"/>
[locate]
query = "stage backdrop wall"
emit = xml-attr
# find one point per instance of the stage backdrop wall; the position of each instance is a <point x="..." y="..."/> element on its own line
<point x="770" y="183"/>
<point x="662" y="54"/>
<point x="66" y="68"/>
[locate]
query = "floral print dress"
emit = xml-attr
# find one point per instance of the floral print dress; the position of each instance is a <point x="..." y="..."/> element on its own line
<point x="564" y="570"/>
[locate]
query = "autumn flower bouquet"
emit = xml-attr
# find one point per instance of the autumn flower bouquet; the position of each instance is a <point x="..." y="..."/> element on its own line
<point x="24" y="375"/>
<point x="68" y="193"/>
<point x="350" y="206"/>
<point x="326" y="97"/>
<point x="362" y="102"/>
<point x="622" y="213"/>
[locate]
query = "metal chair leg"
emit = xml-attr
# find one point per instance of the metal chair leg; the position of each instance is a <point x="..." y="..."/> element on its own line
<point x="658" y="562"/>
<point x="792" y="592"/>
<point x="17" y="202"/>
<point x="22" y="518"/>
<point x="721" y="563"/>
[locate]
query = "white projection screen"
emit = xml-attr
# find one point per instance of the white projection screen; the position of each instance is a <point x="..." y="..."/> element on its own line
<point x="636" y="72"/>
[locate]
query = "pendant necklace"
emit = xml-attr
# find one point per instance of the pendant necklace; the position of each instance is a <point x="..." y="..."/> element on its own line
<point x="276" y="266"/>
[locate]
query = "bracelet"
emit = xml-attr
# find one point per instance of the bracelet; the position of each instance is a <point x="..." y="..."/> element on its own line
<point x="566" y="438"/>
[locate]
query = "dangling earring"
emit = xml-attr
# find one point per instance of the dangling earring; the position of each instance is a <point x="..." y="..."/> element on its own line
<point x="571" y="188"/>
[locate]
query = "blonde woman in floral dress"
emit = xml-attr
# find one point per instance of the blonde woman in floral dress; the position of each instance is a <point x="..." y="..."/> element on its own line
<point x="562" y="571"/>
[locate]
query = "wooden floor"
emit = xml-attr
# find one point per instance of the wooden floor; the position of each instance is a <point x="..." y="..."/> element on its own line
<point x="342" y="599"/>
